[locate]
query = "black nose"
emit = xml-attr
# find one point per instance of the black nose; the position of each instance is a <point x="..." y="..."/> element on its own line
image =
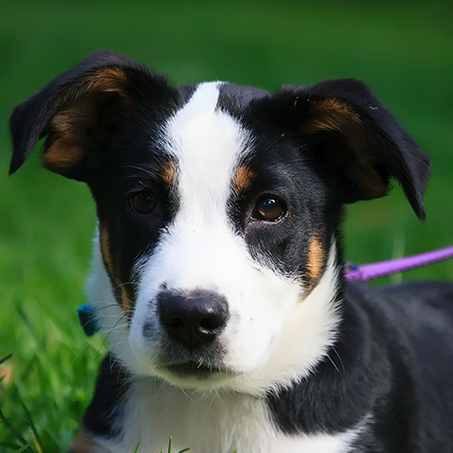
<point x="193" y="319"/>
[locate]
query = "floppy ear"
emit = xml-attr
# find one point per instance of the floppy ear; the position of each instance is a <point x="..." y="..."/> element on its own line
<point x="81" y="111"/>
<point x="360" y="143"/>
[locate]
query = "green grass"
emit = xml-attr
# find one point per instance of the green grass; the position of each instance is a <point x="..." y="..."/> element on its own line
<point x="404" y="50"/>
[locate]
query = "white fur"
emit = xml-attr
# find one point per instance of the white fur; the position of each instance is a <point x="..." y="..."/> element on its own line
<point x="209" y="423"/>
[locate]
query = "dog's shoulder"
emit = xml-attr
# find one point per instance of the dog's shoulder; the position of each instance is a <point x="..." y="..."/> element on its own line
<point x="412" y="327"/>
<point x="413" y="306"/>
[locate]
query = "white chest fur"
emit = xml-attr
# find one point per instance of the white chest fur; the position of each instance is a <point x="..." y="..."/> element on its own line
<point x="215" y="423"/>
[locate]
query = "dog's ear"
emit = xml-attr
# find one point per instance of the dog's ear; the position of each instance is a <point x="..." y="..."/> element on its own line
<point x="81" y="111"/>
<point x="359" y="143"/>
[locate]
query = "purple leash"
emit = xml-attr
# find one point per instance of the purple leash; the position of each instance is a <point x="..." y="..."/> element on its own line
<point x="370" y="271"/>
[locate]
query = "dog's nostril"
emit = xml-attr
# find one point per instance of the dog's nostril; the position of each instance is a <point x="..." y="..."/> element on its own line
<point x="174" y="322"/>
<point x="211" y="322"/>
<point x="194" y="319"/>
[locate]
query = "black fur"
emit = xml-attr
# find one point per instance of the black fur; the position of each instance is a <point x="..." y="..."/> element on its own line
<point x="392" y="361"/>
<point x="108" y="400"/>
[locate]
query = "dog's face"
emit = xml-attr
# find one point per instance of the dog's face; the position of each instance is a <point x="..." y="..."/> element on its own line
<point x="214" y="234"/>
<point x="218" y="210"/>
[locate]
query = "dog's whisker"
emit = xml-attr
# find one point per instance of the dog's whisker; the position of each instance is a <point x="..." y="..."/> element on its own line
<point x="333" y="363"/>
<point x="339" y="358"/>
<point x="117" y="359"/>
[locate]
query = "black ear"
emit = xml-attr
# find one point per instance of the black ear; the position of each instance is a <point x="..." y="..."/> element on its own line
<point x="81" y="111"/>
<point x="360" y="143"/>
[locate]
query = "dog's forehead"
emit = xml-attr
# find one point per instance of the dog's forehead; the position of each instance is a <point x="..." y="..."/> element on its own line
<point x="206" y="142"/>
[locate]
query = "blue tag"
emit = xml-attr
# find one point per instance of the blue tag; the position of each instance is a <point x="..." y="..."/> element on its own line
<point x="87" y="319"/>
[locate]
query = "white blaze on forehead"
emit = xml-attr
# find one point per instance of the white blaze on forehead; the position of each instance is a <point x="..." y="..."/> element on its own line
<point x="206" y="143"/>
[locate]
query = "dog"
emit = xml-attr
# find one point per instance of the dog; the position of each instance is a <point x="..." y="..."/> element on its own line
<point x="218" y="273"/>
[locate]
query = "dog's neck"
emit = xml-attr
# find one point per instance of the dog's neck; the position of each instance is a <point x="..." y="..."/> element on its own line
<point x="206" y="422"/>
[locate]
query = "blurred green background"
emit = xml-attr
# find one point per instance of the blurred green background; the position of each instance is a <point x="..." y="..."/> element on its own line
<point x="403" y="50"/>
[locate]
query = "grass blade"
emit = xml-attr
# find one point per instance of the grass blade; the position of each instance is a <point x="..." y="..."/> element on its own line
<point x="5" y="358"/>
<point x="26" y="446"/>
<point x="35" y="434"/>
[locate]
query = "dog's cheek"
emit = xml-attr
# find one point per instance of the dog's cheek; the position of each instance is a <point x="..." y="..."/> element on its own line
<point x="144" y="332"/>
<point x="122" y="291"/>
<point x="258" y="318"/>
<point x="142" y="341"/>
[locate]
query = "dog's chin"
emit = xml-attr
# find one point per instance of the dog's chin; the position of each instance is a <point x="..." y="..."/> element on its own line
<point x="195" y="375"/>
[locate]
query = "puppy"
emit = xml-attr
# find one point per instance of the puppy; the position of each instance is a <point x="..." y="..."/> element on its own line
<point x="217" y="272"/>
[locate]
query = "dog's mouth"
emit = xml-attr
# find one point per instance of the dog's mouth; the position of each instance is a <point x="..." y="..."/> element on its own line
<point x="194" y="370"/>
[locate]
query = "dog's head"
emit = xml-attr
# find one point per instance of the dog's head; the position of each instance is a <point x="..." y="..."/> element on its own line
<point x="218" y="210"/>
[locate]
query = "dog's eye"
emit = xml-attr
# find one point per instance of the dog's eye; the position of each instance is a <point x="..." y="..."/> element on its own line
<point x="144" y="202"/>
<point x="269" y="209"/>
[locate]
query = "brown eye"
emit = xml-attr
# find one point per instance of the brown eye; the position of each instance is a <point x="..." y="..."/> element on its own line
<point x="144" y="202"/>
<point x="268" y="209"/>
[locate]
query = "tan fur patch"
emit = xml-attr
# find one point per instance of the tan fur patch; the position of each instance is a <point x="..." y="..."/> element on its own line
<point x="169" y="173"/>
<point x="63" y="154"/>
<point x="69" y="146"/>
<point x="69" y="127"/>
<point x="107" y="80"/>
<point x="83" y="443"/>
<point x="372" y="182"/>
<point x="242" y="179"/>
<point x="105" y="249"/>
<point x="336" y="115"/>
<point x="331" y="115"/>
<point x="316" y="258"/>
<point x="124" y="297"/>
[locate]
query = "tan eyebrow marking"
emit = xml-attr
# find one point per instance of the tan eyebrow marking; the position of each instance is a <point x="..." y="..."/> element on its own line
<point x="169" y="172"/>
<point x="242" y="179"/>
